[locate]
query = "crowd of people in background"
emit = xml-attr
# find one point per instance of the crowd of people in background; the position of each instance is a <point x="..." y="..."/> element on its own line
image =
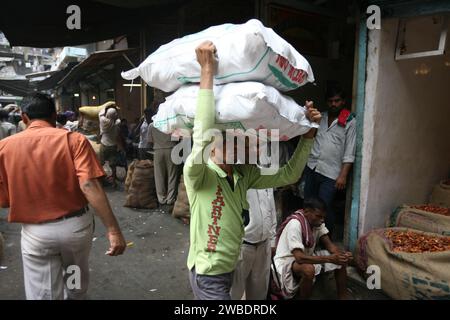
<point x="252" y="256"/>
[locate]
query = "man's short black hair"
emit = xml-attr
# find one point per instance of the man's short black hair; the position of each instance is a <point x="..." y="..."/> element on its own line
<point x="315" y="204"/>
<point x="335" y="90"/>
<point x="4" y="115"/>
<point x="61" y="118"/>
<point x="39" y="106"/>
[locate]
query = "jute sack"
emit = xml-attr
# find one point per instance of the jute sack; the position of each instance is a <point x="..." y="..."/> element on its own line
<point x="96" y="146"/>
<point x="129" y="177"/>
<point x="406" y="276"/>
<point x="441" y="194"/>
<point x="409" y="217"/>
<point x="91" y="112"/>
<point x="181" y="207"/>
<point x="142" y="190"/>
<point x="90" y="126"/>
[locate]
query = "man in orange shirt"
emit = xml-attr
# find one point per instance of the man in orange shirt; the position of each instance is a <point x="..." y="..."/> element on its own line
<point x="47" y="178"/>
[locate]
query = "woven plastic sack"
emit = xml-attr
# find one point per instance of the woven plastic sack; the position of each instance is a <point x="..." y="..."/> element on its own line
<point x="246" y="52"/>
<point x="244" y="105"/>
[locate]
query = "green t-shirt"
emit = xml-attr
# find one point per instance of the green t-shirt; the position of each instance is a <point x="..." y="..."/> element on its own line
<point x="216" y="227"/>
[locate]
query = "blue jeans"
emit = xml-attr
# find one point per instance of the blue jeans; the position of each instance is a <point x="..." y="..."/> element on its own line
<point x="319" y="186"/>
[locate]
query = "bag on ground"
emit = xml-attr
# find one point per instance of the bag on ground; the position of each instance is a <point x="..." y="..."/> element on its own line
<point x="142" y="191"/>
<point x="405" y="275"/>
<point x="181" y="208"/>
<point x="420" y="219"/>
<point x="245" y="105"/>
<point x="441" y="194"/>
<point x="246" y="52"/>
<point x="129" y="176"/>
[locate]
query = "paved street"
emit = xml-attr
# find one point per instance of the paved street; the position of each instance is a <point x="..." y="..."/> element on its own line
<point x="153" y="268"/>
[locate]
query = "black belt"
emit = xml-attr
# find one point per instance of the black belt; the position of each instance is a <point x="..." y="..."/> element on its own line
<point x="253" y="244"/>
<point x="73" y="214"/>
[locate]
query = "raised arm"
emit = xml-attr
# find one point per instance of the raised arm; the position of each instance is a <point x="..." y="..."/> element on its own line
<point x="195" y="167"/>
<point x="292" y="171"/>
<point x="89" y="171"/>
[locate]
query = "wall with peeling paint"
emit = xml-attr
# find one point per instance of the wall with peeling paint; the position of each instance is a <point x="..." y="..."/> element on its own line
<point x="406" y="147"/>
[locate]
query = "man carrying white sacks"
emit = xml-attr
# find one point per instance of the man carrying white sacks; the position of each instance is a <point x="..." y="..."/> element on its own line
<point x="217" y="191"/>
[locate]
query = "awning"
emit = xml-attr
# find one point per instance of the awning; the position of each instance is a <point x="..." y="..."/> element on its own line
<point x="52" y="81"/>
<point x="42" y="23"/>
<point x="18" y="87"/>
<point x="94" y="62"/>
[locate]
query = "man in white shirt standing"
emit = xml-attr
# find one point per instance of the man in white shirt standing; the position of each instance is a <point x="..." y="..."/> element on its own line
<point x="252" y="271"/>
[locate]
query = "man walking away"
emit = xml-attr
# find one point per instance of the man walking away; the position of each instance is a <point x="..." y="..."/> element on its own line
<point x="51" y="199"/>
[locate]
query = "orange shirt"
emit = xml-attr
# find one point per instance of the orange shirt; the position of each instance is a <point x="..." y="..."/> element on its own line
<point x="41" y="170"/>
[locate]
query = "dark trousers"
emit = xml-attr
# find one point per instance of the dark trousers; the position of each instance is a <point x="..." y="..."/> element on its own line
<point x="319" y="186"/>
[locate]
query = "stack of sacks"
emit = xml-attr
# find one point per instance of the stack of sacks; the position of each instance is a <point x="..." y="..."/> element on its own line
<point x="254" y="64"/>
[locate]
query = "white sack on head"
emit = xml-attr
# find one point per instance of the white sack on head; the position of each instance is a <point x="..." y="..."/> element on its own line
<point x="244" y="105"/>
<point x="246" y="52"/>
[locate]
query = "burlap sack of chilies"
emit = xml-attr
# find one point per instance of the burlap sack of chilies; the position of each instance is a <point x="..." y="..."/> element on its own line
<point x="409" y="217"/>
<point x="142" y="190"/>
<point x="405" y="276"/>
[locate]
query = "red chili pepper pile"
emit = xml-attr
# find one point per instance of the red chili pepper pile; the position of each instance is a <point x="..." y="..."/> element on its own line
<point x="434" y="209"/>
<point x="412" y="242"/>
